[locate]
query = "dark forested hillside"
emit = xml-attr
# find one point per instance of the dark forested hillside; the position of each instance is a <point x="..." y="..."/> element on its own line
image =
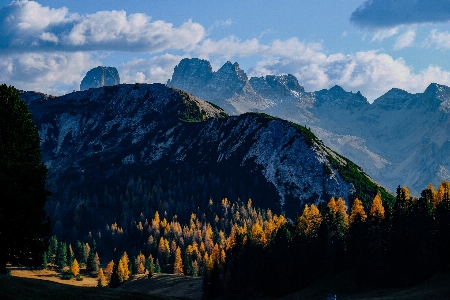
<point x="166" y="181"/>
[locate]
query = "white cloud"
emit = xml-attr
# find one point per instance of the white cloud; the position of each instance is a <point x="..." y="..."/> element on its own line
<point x="382" y="34"/>
<point x="440" y="40"/>
<point x="157" y="69"/>
<point x="52" y="73"/>
<point x="405" y="40"/>
<point x="26" y="25"/>
<point x="371" y="72"/>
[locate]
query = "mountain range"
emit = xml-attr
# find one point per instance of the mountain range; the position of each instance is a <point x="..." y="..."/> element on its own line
<point x="399" y="139"/>
<point x="189" y="150"/>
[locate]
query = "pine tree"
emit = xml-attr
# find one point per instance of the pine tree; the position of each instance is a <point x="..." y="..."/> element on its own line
<point x="75" y="268"/>
<point x="178" y="265"/>
<point x="24" y="226"/>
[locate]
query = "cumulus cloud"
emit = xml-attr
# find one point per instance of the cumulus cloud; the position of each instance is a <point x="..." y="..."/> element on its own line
<point x="387" y="13"/>
<point x="53" y="73"/>
<point x="371" y="72"/>
<point x="156" y="69"/>
<point x="440" y="40"/>
<point x="29" y="26"/>
<point x="405" y="40"/>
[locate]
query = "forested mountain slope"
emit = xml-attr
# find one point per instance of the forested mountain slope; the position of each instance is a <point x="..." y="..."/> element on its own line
<point x="131" y="149"/>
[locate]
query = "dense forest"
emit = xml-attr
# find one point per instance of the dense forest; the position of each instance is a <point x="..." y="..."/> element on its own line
<point x="241" y="249"/>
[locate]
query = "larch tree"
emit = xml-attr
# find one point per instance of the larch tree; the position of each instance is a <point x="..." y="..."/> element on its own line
<point x="24" y="225"/>
<point x="109" y="270"/>
<point x="309" y="222"/>
<point x="75" y="268"/>
<point x="178" y="265"/>
<point x="123" y="271"/>
<point x="101" y="279"/>
<point x="377" y="208"/>
<point x="357" y="213"/>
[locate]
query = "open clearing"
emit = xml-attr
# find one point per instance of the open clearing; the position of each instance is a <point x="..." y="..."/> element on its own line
<point x="46" y="284"/>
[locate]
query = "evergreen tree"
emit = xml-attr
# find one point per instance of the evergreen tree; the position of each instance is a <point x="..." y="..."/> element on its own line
<point x="61" y="256"/>
<point x="44" y="261"/>
<point x="149" y="264"/>
<point x="52" y="250"/>
<point x="24" y="226"/>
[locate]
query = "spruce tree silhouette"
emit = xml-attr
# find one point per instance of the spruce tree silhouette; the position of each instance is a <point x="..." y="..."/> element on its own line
<point x="24" y="226"/>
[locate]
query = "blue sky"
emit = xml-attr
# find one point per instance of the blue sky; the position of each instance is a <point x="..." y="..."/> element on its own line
<point x="368" y="46"/>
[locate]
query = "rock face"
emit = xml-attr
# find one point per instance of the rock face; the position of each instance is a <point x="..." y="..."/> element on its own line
<point x="154" y="131"/>
<point x="399" y="139"/>
<point x="99" y="77"/>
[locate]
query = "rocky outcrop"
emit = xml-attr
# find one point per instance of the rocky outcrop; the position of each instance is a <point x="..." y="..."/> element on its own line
<point x="99" y="77"/>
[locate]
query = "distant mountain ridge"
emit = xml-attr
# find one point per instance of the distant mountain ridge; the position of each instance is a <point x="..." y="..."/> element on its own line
<point x="399" y="139"/>
<point x="154" y="132"/>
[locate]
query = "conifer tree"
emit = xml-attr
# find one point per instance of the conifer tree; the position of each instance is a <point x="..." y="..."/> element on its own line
<point x="101" y="279"/>
<point x="52" y="250"/>
<point x="150" y="265"/>
<point x="61" y="256"/>
<point x="24" y="226"/>
<point x="75" y="268"/>
<point x="178" y="265"/>
<point x="44" y="261"/>
<point x="309" y="222"/>
<point x="377" y="208"/>
<point x="357" y="214"/>
<point x="157" y="267"/>
<point x="123" y="271"/>
<point x="108" y="271"/>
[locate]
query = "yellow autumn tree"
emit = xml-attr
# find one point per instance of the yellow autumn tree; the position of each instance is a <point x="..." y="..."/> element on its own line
<point x="178" y="265"/>
<point x="444" y="188"/>
<point x="123" y="272"/>
<point x="310" y="220"/>
<point x="75" y="268"/>
<point x="163" y="250"/>
<point x="109" y="270"/>
<point x="357" y="213"/>
<point x="377" y="208"/>
<point x="140" y="263"/>
<point x="258" y="236"/>
<point x="101" y="279"/>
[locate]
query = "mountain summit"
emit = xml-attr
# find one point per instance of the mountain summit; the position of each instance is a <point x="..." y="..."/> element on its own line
<point x="99" y="77"/>
<point x="400" y="139"/>
<point x="170" y="138"/>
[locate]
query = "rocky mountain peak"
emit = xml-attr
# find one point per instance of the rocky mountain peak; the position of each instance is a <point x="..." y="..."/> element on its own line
<point x="277" y="88"/>
<point x="337" y="96"/>
<point x="99" y="77"/>
<point x="191" y="74"/>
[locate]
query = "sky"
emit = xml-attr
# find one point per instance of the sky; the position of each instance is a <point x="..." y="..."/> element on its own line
<point x="368" y="46"/>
